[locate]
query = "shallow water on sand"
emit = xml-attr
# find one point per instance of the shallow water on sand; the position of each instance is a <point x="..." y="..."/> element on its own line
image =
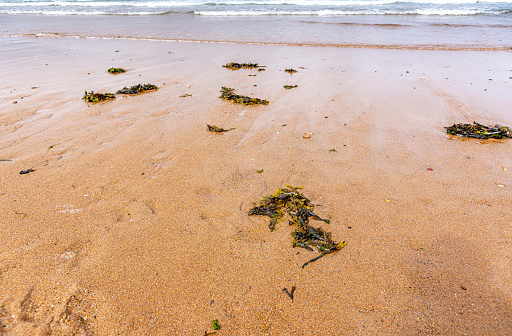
<point x="478" y="32"/>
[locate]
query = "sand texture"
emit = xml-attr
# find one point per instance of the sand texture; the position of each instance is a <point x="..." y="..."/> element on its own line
<point x="134" y="220"/>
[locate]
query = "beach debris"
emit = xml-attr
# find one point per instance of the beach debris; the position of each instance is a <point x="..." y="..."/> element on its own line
<point x="20" y="213"/>
<point x="289" y="86"/>
<point x="290" y="293"/>
<point x="289" y="200"/>
<point x="290" y="71"/>
<point x="237" y="66"/>
<point x="94" y="97"/>
<point x="214" y="128"/>
<point x="430" y="169"/>
<point x="261" y="69"/>
<point x="479" y="131"/>
<point x="215" y="325"/>
<point x="15" y="102"/>
<point x="186" y="95"/>
<point x="209" y="333"/>
<point x="5" y="160"/>
<point x="27" y="171"/>
<point x="136" y="89"/>
<point x="228" y="94"/>
<point x="307" y="135"/>
<point x="116" y="70"/>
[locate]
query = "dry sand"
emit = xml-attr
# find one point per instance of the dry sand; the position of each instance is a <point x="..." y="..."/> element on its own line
<point x="135" y="221"/>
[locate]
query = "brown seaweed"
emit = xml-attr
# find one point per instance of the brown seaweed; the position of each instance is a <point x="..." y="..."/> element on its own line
<point x="136" y="89"/>
<point x="479" y="131"/>
<point x="214" y="128"/>
<point x="237" y="66"/>
<point x="290" y="293"/>
<point x="290" y="70"/>
<point x="228" y="94"/>
<point x="299" y="208"/>
<point x="30" y="170"/>
<point x="289" y="86"/>
<point x="94" y="97"/>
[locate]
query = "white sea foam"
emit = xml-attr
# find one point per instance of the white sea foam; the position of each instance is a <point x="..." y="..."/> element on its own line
<point x="440" y="12"/>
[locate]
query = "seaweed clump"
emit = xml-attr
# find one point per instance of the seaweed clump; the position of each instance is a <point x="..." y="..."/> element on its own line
<point x="237" y="66"/>
<point x="299" y="208"/>
<point x="116" y="70"/>
<point x="228" y="94"/>
<point x="290" y="70"/>
<point x="214" y="128"/>
<point x="94" y="97"/>
<point x="136" y="89"/>
<point x="479" y="131"/>
<point x="289" y="86"/>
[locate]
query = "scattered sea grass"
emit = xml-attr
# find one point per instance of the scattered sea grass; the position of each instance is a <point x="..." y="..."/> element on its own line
<point x="237" y="66"/>
<point x="228" y="94"/>
<point x="116" y="70"/>
<point x="94" y="97"/>
<point x="290" y="70"/>
<point x="290" y="201"/>
<point x="214" y="128"/>
<point x="479" y="131"/>
<point x="136" y="89"/>
<point x="289" y="86"/>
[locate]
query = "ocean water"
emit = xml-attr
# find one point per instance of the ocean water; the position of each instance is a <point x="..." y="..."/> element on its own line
<point x="428" y="24"/>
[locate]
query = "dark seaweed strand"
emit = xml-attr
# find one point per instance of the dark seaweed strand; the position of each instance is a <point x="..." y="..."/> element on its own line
<point x="228" y="94"/>
<point x="236" y="66"/>
<point x="479" y="131"/>
<point x="136" y="89"/>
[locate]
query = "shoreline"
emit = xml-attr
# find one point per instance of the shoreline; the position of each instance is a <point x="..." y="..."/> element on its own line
<point x="355" y="46"/>
<point x="135" y="218"/>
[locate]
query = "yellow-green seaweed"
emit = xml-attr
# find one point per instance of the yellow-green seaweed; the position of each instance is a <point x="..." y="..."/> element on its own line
<point x="289" y="200"/>
<point x="228" y="94"/>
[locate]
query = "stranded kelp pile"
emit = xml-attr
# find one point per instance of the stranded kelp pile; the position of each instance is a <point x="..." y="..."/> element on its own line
<point x="299" y="208"/>
<point x="136" y="89"/>
<point x="479" y="131"/>
<point x="236" y="66"/>
<point x="228" y="94"/>
<point x="94" y="97"/>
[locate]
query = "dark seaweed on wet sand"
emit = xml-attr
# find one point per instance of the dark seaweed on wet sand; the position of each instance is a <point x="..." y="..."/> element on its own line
<point x="479" y="131"/>
<point x="290" y="201"/>
<point x="228" y="94"/>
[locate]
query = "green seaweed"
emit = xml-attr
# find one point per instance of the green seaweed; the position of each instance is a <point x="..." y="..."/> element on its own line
<point x="94" y="97"/>
<point x="479" y="131"/>
<point x="290" y="70"/>
<point x="228" y="94"/>
<point x="237" y="66"/>
<point x="289" y="200"/>
<point x="116" y="70"/>
<point x="215" y="325"/>
<point x="289" y="86"/>
<point x="136" y="89"/>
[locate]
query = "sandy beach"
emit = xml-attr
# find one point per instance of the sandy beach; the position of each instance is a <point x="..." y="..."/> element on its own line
<point x="135" y="218"/>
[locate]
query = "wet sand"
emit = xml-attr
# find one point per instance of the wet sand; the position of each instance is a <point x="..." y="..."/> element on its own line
<point x="135" y="221"/>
